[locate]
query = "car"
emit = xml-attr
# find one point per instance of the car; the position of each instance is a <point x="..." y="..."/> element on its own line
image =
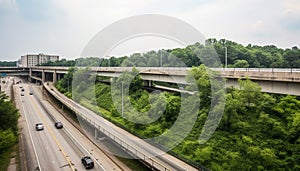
<point x="58" y="125"/>
<point x="23" y="89"/>
<point x="87" y="162"/>
<point x="39" y="126"/>
<point x="22" y="94"/>
<point x="31" y="93"/>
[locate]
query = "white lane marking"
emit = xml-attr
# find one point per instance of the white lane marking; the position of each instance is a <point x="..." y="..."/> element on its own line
<point x="34" y="149"/>
<point x="82" y="147"/>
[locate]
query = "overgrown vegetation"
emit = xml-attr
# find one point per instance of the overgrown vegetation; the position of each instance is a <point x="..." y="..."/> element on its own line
<point x="8" y="128"/>
<point x="258" y="131"/>
<point x="238" y="56"/>
<point x="8" y="63"/>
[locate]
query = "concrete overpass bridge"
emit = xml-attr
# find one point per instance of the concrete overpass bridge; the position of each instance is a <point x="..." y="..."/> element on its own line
<point x="272" y="80"/>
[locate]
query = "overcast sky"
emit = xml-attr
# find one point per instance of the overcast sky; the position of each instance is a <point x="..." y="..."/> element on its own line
<point x="64" y="27"/>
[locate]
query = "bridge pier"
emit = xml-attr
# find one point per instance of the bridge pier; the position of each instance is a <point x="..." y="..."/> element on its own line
<point x="54" y="77"/>
<point x="148" y="83"/>
<point x="96" y="133"/>
<point x="30" y="74"/>
<point x="58" y="76"/>
<point x="43" y="76"/>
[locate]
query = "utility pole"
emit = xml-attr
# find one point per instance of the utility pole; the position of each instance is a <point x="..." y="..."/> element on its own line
<point x="225" y="57"/>
<point x="122" y="101"/>
<point x="160" y="58"/>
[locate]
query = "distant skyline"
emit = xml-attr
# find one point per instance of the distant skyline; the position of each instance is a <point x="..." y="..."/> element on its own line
<point x="65" y="27"/>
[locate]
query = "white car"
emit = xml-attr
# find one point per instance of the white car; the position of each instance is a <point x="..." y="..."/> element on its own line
<point x="39" y="126"/>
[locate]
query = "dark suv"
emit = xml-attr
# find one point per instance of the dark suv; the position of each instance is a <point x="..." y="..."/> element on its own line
<point x="58" y="125"/>
<point x="87" y="162"/>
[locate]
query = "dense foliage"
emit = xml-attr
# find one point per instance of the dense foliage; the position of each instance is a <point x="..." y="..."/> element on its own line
<point x="8" y="63"/>
<point x="258" y="131"/>
<point x="62" y="62"/>
<point x="8" y="123"/>
<point x="238" y="56"/>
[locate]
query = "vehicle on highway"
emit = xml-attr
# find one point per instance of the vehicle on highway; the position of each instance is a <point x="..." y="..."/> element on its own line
<point x="22" y="94"/>
<point x="39" y="126"/>
<point x="87" y="162"/>
<point x="30" y="93"/>
<point x="58" y="125"/>
<point x="23" y="89"/>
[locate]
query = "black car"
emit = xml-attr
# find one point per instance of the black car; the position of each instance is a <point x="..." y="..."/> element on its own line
<point x="23" y="89"/>
<point x="30" y="93"/>
<point x="58" y="125"/>
<point x="87" y="162"/>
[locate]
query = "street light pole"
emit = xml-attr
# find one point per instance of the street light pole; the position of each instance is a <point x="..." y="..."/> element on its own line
<point x="122" y="101"/>
<point x="161" y="58"/>
<point x="225" y="57"/>
<point x="68" y="85"/>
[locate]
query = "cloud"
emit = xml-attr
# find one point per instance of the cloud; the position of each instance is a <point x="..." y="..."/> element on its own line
<point x="65" y="27"/>
<point x="290" y="18"/>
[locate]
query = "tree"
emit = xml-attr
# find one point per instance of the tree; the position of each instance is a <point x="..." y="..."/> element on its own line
<point x="8" y="114"/>
<point x="240" y="64"/>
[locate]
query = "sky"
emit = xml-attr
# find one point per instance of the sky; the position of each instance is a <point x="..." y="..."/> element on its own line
<point x="64" y="27"/>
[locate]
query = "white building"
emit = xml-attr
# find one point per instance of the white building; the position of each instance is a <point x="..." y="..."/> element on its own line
<point x="30" y="60"/>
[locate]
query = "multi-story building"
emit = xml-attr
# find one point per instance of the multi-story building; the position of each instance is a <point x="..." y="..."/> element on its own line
<point x="30" y="60"/>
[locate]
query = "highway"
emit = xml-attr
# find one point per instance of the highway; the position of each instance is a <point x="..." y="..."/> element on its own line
<point x="51" y="148"/>
<point x="130" y="142"/>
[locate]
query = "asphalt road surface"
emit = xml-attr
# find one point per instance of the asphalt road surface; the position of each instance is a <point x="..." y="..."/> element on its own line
<point x="163" y="160"/>
<point x="52" y="149"/>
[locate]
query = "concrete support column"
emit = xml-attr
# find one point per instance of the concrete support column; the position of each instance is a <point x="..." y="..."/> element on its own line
<point x="43" y="76"/>
<point x="58" y="76"/>
<point x="96" y="133"/>
<point x="54" y="77"/>
<point x="30" y="74"/>
<point x="148" y="83"/>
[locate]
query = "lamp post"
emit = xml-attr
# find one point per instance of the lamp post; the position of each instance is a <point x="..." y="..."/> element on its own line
<point x="225" y="57"/>
<point x="68" y="85"/>
<point x="122" y="101"/>
<point x="161" y="58"/>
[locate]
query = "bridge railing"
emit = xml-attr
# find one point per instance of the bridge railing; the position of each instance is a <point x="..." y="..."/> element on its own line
<point x="258" y="69"/>
<point x="129" y="148"/>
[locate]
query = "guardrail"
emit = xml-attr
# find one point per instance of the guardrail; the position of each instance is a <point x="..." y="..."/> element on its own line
<point x="259" y="69"/>
<point x="69" y="134"/>
<point x="129" y="148"/>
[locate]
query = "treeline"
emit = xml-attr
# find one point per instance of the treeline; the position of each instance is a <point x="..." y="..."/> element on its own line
<point x="62" y="62"/>
<point x="8" y="63"/>
<point x="8" y="128"/>
<point x="258" y="131"/>
<point x="238" y="56"/>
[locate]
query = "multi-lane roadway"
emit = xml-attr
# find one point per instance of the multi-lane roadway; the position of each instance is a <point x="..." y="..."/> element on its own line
<point x="62" y="149"/>
<point x="52" y="148"/>
<point x="155" y="157"/>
